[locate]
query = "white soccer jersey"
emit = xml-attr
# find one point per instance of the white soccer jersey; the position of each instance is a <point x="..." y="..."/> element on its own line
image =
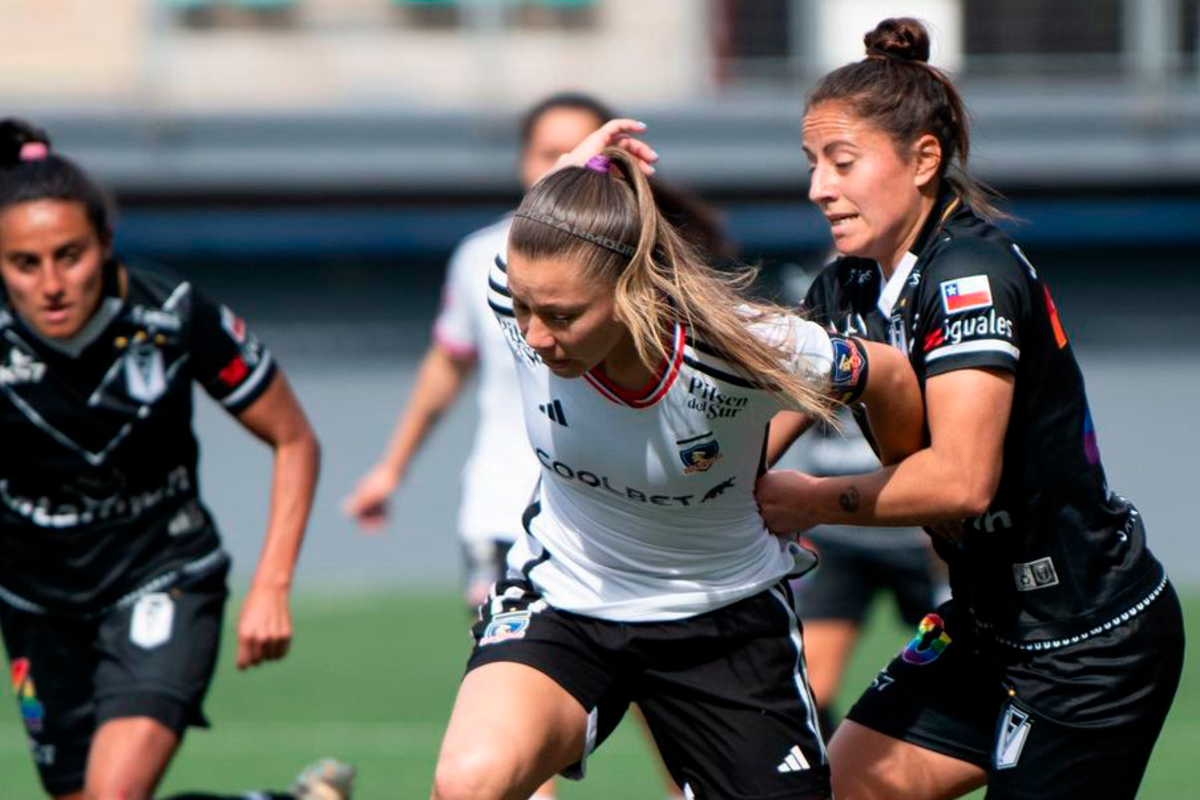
<point x="645" y="510"/>
<point x="500" y="473"/>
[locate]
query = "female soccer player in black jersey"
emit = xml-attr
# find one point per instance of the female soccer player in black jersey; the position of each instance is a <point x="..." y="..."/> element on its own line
<point x="1050" y="672"/>
<point x="112" y="576"/>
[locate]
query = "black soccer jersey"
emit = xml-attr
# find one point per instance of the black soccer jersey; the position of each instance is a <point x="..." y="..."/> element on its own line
<point x="98" y="489"/>
<point x="1056" y="554"/>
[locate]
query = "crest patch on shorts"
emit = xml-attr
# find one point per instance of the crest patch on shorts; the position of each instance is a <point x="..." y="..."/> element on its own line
<point x="1011" y="736"/>
<point x="152" y="620"/>
<point x="503" y="627"/>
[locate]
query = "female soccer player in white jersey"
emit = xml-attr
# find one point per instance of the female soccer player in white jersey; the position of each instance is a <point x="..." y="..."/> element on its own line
<point x="645" y="573"/>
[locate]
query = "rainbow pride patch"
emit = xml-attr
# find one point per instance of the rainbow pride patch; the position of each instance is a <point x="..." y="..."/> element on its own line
<point x="31" y="708"/>
<point x="928" y="644"/>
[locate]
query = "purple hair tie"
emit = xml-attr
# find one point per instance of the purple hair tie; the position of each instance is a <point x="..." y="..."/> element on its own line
<point x="33" y="151"/>
<point x="599" y="164"/>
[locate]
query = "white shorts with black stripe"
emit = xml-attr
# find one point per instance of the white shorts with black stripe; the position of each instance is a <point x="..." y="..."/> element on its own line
<point x="725" y="693"/>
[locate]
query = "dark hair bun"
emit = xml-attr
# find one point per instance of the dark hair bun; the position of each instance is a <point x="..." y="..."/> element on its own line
<point x="14" y="134"/>
<point x="899" y="37"/>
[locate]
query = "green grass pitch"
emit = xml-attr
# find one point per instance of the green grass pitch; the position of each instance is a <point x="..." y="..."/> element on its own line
<point x="371" y="679"/>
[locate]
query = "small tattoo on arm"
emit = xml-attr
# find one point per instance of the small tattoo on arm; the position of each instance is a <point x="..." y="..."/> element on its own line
<point x="849" y="499"/>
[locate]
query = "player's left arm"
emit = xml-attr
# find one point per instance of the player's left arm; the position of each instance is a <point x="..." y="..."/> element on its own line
<point x="265" y="625"/>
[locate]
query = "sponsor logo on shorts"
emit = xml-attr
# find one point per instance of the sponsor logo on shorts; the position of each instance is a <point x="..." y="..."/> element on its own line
<point x="1035" y="575"/>
<point x="929" y="643"/>
<point x="31" y="708"/>
<point x="966" y="294"/>
<point x="43" y="754"/>
<point x="882" y="680"/>
<point x="699" y="453"/>
<point x="1010" y="737"/>
<point x="505" y="627"/>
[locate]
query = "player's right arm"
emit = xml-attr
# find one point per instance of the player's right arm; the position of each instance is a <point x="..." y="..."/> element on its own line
<point x="440" y="379"/>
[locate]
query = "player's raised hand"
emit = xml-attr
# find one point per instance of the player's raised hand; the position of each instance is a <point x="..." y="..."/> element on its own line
<point x="368" y="503"/>
<point x="620" y="133"/>
<point x="264" y="627"/>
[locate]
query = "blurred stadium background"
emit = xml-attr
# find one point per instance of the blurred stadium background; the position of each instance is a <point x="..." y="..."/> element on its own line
<point x="312" y="163"/>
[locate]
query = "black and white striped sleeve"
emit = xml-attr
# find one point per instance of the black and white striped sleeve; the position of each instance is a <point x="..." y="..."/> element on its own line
<point x="499" y="298"/>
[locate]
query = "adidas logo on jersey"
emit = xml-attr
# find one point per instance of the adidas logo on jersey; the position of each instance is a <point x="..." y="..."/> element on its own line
<point x="554" y="411"/>
<point x="795" y="761"/>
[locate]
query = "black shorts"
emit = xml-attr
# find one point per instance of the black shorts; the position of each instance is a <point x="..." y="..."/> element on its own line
<point x="849" y="575"/>
<point x="1075" y="721"/>
<point x="724" y="693"/>
<point x="149" y="657"/>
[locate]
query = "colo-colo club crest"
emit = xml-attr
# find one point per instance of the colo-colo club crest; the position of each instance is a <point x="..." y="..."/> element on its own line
<point x="699" y="453"/>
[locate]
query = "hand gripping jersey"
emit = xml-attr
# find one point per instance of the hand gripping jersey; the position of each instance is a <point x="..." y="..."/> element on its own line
<point x="98" y="491"/>
<point x="1056" y="555"/>
<point x="645" y="510"/>
<point x="501" y="471"/>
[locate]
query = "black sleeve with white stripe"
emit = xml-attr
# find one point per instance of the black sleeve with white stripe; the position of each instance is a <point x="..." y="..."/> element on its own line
<point x="972" y="305"/>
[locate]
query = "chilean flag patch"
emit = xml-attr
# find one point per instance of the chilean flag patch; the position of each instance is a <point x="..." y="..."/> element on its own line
<point x="966" y="294"/>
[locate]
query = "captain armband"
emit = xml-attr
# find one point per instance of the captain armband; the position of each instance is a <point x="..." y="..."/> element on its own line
<point x="848" y="372"/>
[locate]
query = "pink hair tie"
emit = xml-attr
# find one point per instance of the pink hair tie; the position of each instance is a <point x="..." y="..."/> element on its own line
<point x="599" y="164"/>
<point x="33" y="151"/>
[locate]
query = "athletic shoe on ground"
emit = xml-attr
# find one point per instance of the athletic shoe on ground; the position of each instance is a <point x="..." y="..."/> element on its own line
<point x="327" y="779"/>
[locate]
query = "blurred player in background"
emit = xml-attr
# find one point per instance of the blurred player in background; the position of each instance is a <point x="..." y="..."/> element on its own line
<point x="112" y="574"/>
<point x="645" y="573"/>
<point x="1051" y="671"/>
